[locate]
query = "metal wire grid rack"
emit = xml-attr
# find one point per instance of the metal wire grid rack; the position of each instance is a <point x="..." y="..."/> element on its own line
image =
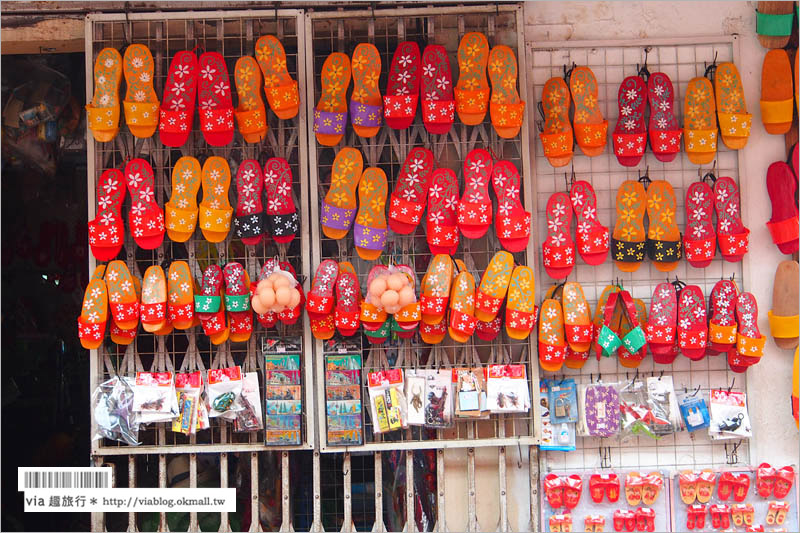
<point x="611" y="62"/>
<point x="233" y="34"/>
<point x="342" y="31"/>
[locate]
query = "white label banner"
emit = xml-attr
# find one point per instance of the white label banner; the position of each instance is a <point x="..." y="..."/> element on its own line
<point x="125" y="500"/>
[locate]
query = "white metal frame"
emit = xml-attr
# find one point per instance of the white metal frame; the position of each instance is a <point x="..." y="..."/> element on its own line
<point x="528" y="200"/>
<point x="96" y="357"/>
<point x="743" y="270"/>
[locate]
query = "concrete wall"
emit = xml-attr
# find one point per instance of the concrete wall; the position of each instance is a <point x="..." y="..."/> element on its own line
<point x="769" y="383"/>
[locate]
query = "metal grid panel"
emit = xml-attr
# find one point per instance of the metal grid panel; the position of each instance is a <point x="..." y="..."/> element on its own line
<point x="612" y="61"/>
<point x="233" y="34"/>
<point x="342" y="31"/>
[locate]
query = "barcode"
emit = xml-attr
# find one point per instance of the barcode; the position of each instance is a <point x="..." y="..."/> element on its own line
<point x="91" y="478"/>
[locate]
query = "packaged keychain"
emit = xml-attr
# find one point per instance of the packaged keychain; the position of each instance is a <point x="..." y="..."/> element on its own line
<point x="507" y="389"/>
<point x="415" y="395"/>
<point x="563" y="398"/>
<point x="224" y="386"/>
<point x="250" y="417"/>
<point x="729" y="417"/>
<point x="694" y="411"/>
<point x="438" y="399"/>
<point x="154" y="397"/>
<point x="387" y="400"/>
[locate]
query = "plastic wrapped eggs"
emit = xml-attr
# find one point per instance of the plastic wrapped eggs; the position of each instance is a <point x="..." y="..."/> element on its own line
<point x="276" y="293"/>
<point x="391" y="291"/>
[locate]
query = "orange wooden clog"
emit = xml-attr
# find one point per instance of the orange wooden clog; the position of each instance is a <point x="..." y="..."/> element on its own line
<point x="776" y="92"/>
<point x="506" y="109"/>
<point x="591" y="129"/>
<point x="141" y="103"/>
<point x="557" y="137"/>
<point x="472" y="88"/>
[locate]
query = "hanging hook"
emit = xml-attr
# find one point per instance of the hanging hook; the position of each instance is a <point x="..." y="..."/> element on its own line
<point x="605" y="457"/>
<point x="711" y="69"/>
<point x="732" y="457"/>
<point x="643" y="71"/>
<point x="519" y="457"/>
<point x="661" y="375"/>
<point x="568" y="73"/>
<point x="540" y="122"/>
<point x="645" y="178"/>
<point x="732" y="383"/>
<point x="695" y="391"/>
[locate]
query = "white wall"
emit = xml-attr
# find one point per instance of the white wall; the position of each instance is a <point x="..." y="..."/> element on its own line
<point x="769" y="383"/>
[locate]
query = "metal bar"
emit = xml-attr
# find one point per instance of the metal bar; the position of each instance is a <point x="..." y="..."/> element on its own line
<point x="414" y="11"/>
<point x="286" y="503"/>
<point x="197" y="448"/>
<point x="132" y="484"/>
<point x="501" y="474"/>
<point x="347" y="524"/>
<point x="612" y="43"/>
<point x="472" y="504"/>
<point x="316" y="525"/>
<point x="379" y="526"/>
<point x="411" y="523"/>
<point x="224" y="523"/>
<point x="162" y="484"/>
<point x="195" y="15"/>
<point x="255" y="515"/>
<point x="434" y="444"/>
<point x="193" y="523"/>
<point x="534" y="468"/>
<point x="441" y="518"/>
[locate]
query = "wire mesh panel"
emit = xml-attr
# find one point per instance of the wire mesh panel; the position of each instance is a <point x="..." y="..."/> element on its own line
<point x="611" y="62"/>
<point x="233" y="35"/>
<point x="386" y="28"/>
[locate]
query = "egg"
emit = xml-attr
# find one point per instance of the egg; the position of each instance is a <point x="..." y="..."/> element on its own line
<point x="277" y="308"/>
<point x="374" y="300"/>
<point x="397" y="281"/>
<point x="406" y="296"/>
<point x="281" y="281"/>
<point x="378" y="286"/>
<point x="263" y="284"/>
<point x="389" y="298"/>
<point x="259" y="307"/>
<point x="267" y="298"/>
<point x="392" y="309"/>
<point x="283" y="295"/>
<point x="294" y="301"/>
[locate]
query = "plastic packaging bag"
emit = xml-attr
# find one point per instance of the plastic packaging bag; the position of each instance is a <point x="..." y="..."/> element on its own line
<point x="635" y="414"/>
<point x="507" y="389"/>
<point x="560" y="437"/>
<point x="563" y="398"/>
<point x="154" y="397"/>
<point x="663" y="403"/>
<point x="387" y="400"/>
<point x="188" y="387"/>
<point x="224" y="387"/>
<point x="729" y="417"/>
<point x="599" y="410"/>
<point x="250" y="417"/>
<point x="694" y="412"/>
<point x="438" y="399"/>
<point x="415" y="395"/>
<point x="470" y="395"/>
<point x="114" y="417"/>
<point x="277" y="292"/>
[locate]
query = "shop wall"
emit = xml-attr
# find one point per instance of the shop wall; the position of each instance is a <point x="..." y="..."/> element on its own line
<point x="769" y="383"/>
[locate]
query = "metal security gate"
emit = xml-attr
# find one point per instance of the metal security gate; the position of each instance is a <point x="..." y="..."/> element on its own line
<point x="219" y="454"/>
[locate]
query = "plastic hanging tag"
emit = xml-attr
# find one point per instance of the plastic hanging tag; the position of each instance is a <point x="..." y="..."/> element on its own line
<point x="387" y="401"/>
<point x="154" y="397"/>
<point x="560" y="437"/>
